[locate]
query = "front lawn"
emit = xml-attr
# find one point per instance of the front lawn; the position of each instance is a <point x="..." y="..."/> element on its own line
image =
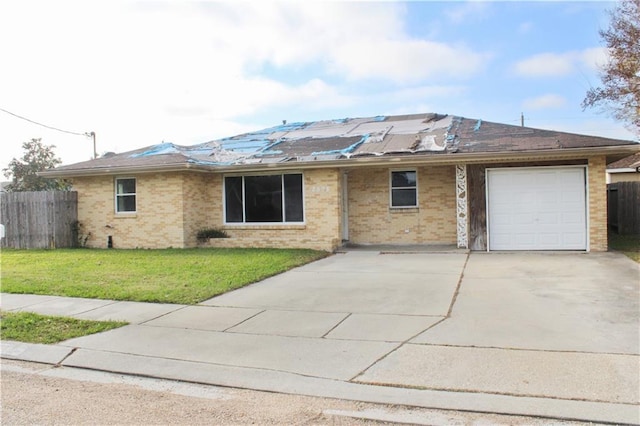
<point x="627" y="244"/>
<point x="166" y="276"/>
<point x="34" y="328"/>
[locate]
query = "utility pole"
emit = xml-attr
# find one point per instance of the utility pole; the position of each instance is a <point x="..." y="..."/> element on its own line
<point x="93" y="135"/>
<point x="521" y="119"/>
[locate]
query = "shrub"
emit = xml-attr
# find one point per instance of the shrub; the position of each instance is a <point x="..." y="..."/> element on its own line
<point x="205" y="234"/>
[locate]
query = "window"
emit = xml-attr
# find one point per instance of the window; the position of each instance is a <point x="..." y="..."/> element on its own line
<point x="263" y="199"/>
<point x="126" y="195"/>
<point x="404" y="189"/>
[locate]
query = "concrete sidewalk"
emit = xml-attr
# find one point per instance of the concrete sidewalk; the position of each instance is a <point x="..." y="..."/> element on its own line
<point x="501" y="333"/>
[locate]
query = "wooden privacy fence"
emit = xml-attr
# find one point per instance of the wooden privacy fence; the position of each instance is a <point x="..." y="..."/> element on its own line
<point x="623" y="207"/>
<point x="46" y="219"/>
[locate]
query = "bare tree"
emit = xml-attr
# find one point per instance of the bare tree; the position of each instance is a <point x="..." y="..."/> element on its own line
<point x="620" y="90"/>
<point x="23" y="173"/>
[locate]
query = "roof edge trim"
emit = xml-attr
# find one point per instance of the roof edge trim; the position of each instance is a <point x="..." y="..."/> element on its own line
<point x="387" y="160"/>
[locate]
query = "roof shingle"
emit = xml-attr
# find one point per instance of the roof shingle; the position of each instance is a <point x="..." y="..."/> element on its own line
<point x="417" y="134"/>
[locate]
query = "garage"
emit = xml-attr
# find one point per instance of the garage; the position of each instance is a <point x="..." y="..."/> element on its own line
<point x="537" y="208"/>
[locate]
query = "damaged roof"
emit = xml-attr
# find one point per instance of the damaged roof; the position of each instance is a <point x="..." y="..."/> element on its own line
<point x="423" y="135"/>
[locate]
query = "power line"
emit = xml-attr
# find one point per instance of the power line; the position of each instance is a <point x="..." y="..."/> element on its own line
<point x="44" y="125"/>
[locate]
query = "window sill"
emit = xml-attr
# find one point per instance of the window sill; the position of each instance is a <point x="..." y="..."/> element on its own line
<point x="268" y="226"/>
<point x="132" y="215"/>
<point x="402" y="210"/>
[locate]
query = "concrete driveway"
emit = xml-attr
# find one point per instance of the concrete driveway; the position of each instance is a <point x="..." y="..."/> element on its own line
<point x="539" y="334"/>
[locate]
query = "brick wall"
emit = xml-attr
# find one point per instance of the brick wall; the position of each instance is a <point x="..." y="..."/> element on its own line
<point x="597" y="204"/>
<point x="157" y="223"/>
<point x="372" y="221"/>
<point x="321" y="230"/>
<point x="202" y="201"/>
<point x="173" y="207"/>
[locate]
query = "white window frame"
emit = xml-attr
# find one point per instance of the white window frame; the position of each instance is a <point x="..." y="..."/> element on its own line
<point x="244" y="222"/>
<point x="391" y="188"/>
<point x="116" y="195"/>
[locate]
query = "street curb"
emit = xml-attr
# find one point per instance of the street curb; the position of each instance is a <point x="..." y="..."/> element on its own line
<point x="33" y="352"/>
<point x="289" y="383"/>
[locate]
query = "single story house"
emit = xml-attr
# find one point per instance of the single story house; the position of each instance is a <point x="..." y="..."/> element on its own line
<point x="624" y="170"/>
<point x="410" y="179"/>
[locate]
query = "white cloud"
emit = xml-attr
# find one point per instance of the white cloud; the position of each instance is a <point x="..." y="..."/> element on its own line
<point x="467" y="10"/>
<point x="545" y="65"/>
<point x="594" y="58"/>
<point x="354" y="40"/>
<point x="545" y="102"/>
<point x="140" y="73"/>
<point x="405" y="60"/>
<point x="561" y="64"/>
<point x="418" y="95"/>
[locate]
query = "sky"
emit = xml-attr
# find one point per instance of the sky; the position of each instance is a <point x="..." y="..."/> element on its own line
<point x="139" y="73"/>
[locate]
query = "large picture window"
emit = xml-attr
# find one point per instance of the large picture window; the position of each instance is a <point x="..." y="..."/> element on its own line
<point x="126" y="195"/>
<point x="404" y="189"/>
<point x="263" y="199"/>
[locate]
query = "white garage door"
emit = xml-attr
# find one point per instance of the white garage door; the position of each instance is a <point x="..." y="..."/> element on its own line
<point x="539" y="208"/>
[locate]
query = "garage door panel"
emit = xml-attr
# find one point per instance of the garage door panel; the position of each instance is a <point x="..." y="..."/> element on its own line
<point x="547" y="179"/>
<point x="523" y="219"/>
<point x="550" y="200"/>
<point x="551" y="239"/>
<point x="569" y="198"/>
<point x="537" y="208"/>
<point x="570" y="218"/>
<point x="575" y="240"/>
<point x="547" y="218"/>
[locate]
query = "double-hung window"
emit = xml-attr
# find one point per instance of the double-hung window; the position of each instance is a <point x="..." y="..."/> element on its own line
<point x="264" y="199"/>
<point x="125" y="195"/>
<point x="404" y="188"/>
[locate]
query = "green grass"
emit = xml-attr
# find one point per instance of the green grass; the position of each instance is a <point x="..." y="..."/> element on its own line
<point x="165" y="276"/>
<point x="34" y="328"/>
<point x="627" y="244"/>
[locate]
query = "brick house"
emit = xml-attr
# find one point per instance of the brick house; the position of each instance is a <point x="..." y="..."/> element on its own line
<point x="624" y="170"/>
<point x="414" y="179"/>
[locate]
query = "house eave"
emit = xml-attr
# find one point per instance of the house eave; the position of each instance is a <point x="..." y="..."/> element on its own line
<point x="122" y="170"/>
<point x="611" y="152"/>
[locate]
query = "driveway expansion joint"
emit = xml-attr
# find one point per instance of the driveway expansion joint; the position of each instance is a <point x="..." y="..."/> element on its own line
<point x="243" y="321"/>
<point x="457" y="290"/>
<point x="508" y="348"/>
<point x="59" y="363"/>
<point x="336" y="326"/>
<point x="164" y="314"/>
<point x="353" y="379"/>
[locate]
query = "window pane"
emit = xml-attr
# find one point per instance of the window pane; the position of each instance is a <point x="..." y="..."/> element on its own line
<point x="263" y="198"/>
<point x="126" y="203"/>
<point x="403" y="179"/>
<point x="126" y="186"/>
<point x="293" y="204"/>
<point x="403" y="198"/>
<point x="233" y="199"/>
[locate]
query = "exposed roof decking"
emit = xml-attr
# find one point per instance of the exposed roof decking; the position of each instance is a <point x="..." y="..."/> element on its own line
<point x="424" y="137"/>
